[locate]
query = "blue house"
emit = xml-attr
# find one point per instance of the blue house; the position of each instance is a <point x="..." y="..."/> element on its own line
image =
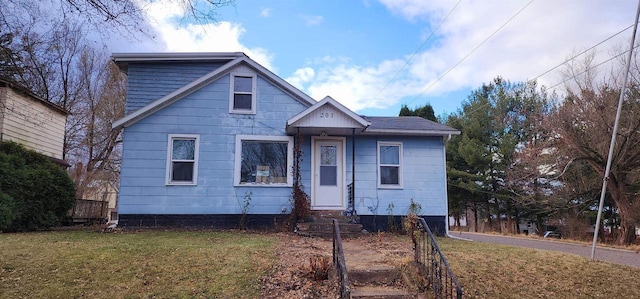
<point x="205" y="133"/>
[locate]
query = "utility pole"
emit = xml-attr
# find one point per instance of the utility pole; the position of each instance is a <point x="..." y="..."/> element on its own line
<point x="613" y="135"/>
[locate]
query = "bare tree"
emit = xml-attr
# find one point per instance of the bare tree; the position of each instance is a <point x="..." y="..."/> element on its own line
<point x="582" y="126"/>
<point x="126" y="16"/>
<point x="58" y="65"/>
<point x="96" y="152"/>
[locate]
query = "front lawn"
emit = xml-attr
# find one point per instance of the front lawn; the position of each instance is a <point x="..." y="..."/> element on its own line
<point x="499" y="271"/>
<point x="230" y="264"/>
<point x="150" y="264"/>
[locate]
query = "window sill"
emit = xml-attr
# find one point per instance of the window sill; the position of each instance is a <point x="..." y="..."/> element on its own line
<point x="180" y="184"/>
<point x="242" y="112"/>
<point x="392" y="187"/>
<point x="264" y="185"/>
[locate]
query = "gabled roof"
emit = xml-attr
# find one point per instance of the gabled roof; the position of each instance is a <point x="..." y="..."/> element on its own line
<point x="234" y="59"/>
<point x="351" y="117"/>
<point x="406" y="125"/>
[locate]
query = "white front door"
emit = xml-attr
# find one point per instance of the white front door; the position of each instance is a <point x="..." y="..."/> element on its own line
<point x="328" y="174"/>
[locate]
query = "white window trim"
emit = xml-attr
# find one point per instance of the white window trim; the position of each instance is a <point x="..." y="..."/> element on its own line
<point x="400" y="152"/>
<point x="238" y="159"/>
<point x="254" y="79"/>
<point x="168" y="180"/>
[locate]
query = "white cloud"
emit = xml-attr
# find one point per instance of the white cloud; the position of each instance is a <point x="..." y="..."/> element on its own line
<point x="265" y="12"/>
<point x="356" y="87"/>
<point x="412" y="9"/>
<point x="312" y="20"/>
<point x="542" y="36"/>
<point x="212" y="37"/>
<point x="301" y="77"/>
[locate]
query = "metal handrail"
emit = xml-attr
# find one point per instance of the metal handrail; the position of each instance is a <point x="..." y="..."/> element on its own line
<point x="339" y="263"/>
<point x="441" y="279"/>
<point x="351" y="202"/>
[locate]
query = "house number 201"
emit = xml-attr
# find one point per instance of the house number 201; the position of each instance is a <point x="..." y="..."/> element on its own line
<point x="326" y="114"/>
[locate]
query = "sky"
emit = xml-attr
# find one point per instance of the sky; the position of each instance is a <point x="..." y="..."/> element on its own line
<point x="374" y="56"/>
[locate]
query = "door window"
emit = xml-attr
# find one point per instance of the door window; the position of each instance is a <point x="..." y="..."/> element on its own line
<point x="328" y="165"/>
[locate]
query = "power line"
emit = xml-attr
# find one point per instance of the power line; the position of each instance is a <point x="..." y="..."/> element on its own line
<point x="576" y="75"/>
<point x="417" y="50"/>
<point x="574" y="57"/>
<point x="585" y="51"/>
<point x="593" y="67"/>
<point x="472" y="51"/>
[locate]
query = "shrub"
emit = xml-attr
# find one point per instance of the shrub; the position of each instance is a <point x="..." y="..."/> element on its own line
<point x="318" y="268"/>
<point x="7" y="210"/>
<point x="35" y="193"/>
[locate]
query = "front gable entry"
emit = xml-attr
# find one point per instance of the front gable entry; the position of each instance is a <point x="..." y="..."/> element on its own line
<point x="326" y="117"/>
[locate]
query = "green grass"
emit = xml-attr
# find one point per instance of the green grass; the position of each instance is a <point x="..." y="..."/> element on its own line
<point x="498" y="271"/>
<point x="151" y="264"/>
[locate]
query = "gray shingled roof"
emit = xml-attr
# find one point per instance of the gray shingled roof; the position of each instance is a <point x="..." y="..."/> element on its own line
<point x="407" y="124"/>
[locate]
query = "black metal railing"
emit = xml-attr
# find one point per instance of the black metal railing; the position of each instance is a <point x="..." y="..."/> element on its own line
<point x="339" y="263"/>
<point x="351" y="203"/>
<point x="441" y="280"/>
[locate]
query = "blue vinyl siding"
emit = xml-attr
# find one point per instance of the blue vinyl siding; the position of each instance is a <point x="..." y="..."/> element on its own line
<point x="423" y="176"/>
<point x="204" y="112"/>
<point x="149" y="82"/>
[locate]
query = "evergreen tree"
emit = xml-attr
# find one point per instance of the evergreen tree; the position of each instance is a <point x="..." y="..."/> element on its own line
<point x="425" y="112"/>
<point x="496" y="120"/>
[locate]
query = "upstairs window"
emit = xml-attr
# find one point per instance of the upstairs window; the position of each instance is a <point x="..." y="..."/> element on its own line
<point x="389" y="165"/>
<point x="182" y="160"/>
<point x="242" y="93"/>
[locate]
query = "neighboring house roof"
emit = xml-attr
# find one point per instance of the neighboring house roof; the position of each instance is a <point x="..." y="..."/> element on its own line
<point x="123" y="60"/>
<point x="17" y="87"/>
<point x="406" y="125"/>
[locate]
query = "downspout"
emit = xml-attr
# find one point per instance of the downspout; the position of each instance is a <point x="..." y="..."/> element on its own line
<point x="446" y="193"/>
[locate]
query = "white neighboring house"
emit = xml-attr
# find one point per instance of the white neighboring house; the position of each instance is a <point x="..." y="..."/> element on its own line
<point x="39" y="125"/>
<point x="32" y="121"/>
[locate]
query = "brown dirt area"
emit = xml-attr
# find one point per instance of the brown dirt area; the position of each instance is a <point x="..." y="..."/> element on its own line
<point x="291" y="278"/>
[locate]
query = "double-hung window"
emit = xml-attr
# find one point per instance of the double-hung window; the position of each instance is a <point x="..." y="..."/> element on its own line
<point x="263" y="160"/>
<point x="182" y="159"/>
<point x="242" y="93"/>
<point x="389" y="164"/>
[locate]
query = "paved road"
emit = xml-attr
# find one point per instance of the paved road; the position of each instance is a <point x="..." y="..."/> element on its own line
<point x="618" y="256"/>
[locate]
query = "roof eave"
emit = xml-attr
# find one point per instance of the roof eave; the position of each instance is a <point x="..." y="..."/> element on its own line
<point x="295" y="92"/>
<point x="122" y="60"/>
<point x="32" y="95"/>
<point x="409" y="132"/>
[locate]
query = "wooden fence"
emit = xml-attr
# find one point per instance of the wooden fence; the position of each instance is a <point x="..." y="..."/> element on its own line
<point x="89" y="211"/>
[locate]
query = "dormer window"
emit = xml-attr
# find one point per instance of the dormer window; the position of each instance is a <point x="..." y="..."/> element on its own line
<point x="242" y="93"/>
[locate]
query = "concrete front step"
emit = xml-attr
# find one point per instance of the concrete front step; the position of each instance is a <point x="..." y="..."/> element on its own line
<point x="328" y="227"/>
<point x="321" y="225"/>
<point x="373" y="275"/>
<point x="382" y="292"/>
<point x="325" y="230"/>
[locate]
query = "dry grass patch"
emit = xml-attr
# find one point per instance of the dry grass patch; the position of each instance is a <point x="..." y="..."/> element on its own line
<point x="498" y="271"/>
<point x="150" y="264"/>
